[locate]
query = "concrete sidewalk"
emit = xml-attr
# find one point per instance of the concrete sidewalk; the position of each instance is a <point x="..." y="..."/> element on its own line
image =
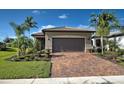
<point x="69" y="80"/>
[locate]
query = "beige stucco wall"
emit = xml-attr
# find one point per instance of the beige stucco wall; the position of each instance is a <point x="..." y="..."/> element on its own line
<point x="50" y="35"/>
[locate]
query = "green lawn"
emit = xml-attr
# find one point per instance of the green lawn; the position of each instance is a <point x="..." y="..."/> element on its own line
<point x="12" y="70"/>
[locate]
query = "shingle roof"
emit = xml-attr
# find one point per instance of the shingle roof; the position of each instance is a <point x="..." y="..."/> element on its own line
<point x="70" y="29"/>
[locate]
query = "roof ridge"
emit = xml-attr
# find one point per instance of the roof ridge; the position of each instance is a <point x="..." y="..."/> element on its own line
<point x="67" y="28"/>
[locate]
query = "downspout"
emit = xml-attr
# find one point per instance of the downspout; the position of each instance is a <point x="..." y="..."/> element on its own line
<point x="102" y="44"/>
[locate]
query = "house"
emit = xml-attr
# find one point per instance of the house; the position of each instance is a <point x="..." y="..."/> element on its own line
<point x="61" y="39"/>
<point x="117" y="37"/>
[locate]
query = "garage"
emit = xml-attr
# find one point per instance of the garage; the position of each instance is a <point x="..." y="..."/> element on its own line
<point x="68" y="44"/>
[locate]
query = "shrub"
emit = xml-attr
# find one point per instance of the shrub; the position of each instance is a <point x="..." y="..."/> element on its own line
<point x="37" y="44"/>
<point x="121" y="52"/>
<point x="29" y="51"/>
<point x="46" y="52"/>
<point x="109" y="55"/>
<point x="99" y="50"/>
<point x="27" y="59"/>
<point x="37" y="58"/>
<point x="14" y="58"/>
<point x="9" y="44"/>
<point x="43" y="55"/>
<point x="2" y="46"/>
<point x="113" y="45"/>
<point x="120" y="59"/>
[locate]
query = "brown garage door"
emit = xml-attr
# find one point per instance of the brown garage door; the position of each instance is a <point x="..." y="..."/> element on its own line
<point x="68" y="44"/>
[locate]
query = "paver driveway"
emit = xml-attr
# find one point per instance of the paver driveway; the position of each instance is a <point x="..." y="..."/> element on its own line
<point x="76" y="64"/>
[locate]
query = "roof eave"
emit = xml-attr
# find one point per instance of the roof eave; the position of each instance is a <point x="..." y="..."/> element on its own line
<point x="45" y="30"/>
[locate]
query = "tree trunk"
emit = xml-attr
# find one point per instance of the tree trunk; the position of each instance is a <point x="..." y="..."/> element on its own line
<point x="102" y="45"/>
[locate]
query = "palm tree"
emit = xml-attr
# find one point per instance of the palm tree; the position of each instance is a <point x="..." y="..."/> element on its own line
<point x="19" y="30"/>
<point x="29" y="23"/>
<point x="20" y="33"/>
<point x="104" y="22"/>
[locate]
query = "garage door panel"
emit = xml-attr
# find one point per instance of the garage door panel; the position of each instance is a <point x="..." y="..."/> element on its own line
<point x="68" y="44"/>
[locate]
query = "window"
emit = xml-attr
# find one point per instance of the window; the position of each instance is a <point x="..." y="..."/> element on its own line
<point x="98" y="43"/>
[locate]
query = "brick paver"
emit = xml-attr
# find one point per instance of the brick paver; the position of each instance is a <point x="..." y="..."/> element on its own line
<point x="74" y="64"/>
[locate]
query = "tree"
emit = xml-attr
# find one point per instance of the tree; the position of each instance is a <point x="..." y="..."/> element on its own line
<point x="104" y="22"/>
<point x="29" y="23"/>
<point x="23" y="42"/>
<point x="19" y="30"/>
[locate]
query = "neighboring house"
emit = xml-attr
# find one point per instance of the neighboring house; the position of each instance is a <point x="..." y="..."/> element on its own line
<point x="118" y="37"/>
<point x="61" y="39"/>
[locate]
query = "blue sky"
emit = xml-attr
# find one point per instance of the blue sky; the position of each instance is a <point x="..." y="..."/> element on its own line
<point x="49" y="18"/>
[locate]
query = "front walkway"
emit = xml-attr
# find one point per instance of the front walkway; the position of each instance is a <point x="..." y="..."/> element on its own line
<point x="69" y="80"/>
<point x="81" y="64"/>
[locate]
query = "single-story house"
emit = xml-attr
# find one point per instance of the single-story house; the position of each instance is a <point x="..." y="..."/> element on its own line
<point x="61" y="39"/>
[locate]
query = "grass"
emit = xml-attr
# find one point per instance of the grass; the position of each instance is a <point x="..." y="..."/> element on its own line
<point x="13" y="70"/>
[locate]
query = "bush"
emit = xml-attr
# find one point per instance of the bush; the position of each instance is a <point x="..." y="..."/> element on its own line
<point x="8" y="44"/>
<point x="14" y="58"/>
<point x="99" y="50"/>
<point x="29" y="51"/>
<point x="31" y="55"/>
<point x="46" y="52"/>
<point x="27" y="59"/>
<point x="38" y="56"/>
<point x="120" y="59"/>
<point x="121" y="52"/>
<point x="113" y="45"/>
<point x="2" y="46"/>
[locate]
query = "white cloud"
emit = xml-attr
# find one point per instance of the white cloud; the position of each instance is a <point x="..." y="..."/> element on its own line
<point x="36" y="12"/>
<point x="12" y="36"/>
<point x="47" y="26"/>
<point x="64" y="16"/>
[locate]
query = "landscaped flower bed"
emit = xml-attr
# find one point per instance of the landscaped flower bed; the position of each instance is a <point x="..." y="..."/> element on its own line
<point x="112" y="56"/>
<point x="37" y="56"/>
